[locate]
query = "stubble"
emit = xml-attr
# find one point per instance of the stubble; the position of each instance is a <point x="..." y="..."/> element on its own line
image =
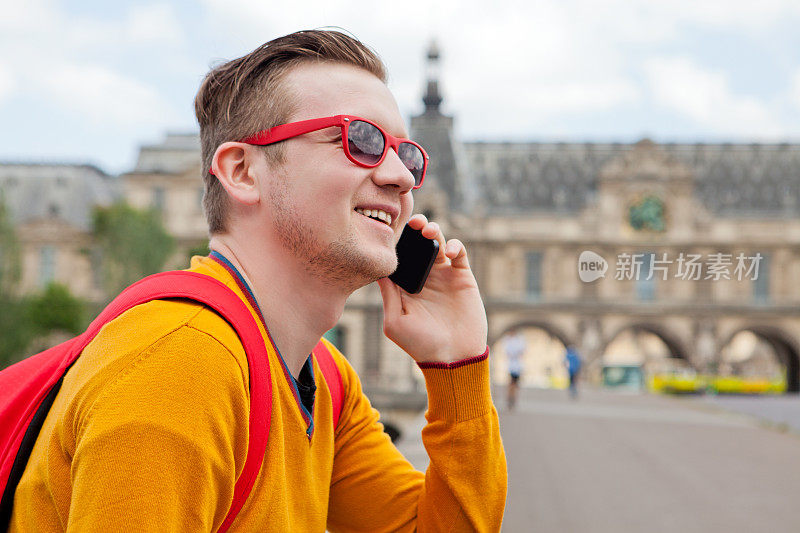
<point x="339" y="263"/>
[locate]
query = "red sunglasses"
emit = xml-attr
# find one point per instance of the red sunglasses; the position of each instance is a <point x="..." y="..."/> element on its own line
<point x="364" y="142"/>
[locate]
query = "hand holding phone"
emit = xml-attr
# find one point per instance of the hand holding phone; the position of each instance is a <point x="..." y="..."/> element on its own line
<point x="445" y="322"/>
<point x="415" y="257"/>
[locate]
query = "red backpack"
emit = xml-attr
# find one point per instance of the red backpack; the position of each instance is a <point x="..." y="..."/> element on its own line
<point x="28" y="388"/>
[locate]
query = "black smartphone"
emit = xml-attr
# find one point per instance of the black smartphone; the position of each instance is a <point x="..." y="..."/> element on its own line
<point x="415" y="257"/>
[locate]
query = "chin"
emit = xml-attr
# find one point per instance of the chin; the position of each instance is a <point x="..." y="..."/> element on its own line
<point x="389" y="266"/>
<point x="354" y="266"/>
<point x="374" y="267"/>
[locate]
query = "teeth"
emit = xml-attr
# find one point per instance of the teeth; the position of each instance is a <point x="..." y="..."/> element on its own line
<point x="376" y="214"/>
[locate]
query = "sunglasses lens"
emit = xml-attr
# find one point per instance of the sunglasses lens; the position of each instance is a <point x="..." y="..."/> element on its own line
<point x="365" y="142"/>
<point x="412" y="158"/>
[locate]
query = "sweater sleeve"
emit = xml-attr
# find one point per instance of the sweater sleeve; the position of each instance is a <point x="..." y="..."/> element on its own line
<point x="161" y="447"/>
<point x="374" y="488"/>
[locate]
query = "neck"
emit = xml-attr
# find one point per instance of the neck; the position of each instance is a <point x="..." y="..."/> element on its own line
<point x="298" y="308"/>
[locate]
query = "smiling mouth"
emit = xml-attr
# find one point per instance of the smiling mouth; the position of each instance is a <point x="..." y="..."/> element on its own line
<point x="376" y="214"/>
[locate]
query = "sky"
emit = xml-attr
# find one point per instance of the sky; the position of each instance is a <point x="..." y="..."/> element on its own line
<point x="91" y="81"/>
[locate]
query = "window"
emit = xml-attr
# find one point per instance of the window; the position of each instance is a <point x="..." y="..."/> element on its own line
<point x="96" y="261"/>
<point x="158" y="199"/>
<point x="47" y="265"/>
<point x="761" y="282"/>
<point x="646" y="288"/>
<point x="533" y="269"/>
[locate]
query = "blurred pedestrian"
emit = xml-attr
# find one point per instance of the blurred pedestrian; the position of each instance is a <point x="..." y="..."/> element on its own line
<point x="515" y="346"/>
<point x="573" y="363"/>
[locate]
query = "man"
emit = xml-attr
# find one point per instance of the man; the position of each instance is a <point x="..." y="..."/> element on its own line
<point x="515" y="348"/>
<point x="149" y="431"/>
<point x="573" y="363"/>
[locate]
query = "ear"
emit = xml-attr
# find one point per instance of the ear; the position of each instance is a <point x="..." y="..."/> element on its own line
<point x="234" y="164"/>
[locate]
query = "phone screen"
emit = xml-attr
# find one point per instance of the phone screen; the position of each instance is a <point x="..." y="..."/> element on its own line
<point x="415" y="257"/>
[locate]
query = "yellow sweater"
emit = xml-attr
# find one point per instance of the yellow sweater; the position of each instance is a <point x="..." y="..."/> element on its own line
<point x="149" y="433"/>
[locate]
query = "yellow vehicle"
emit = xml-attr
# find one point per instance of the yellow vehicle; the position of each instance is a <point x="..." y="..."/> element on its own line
<point x="687" y="381"/>
<point x="683" y="381"/>
<point x="746" y="385"/>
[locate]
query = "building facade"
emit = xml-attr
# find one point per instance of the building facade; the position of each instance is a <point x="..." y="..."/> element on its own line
<point x="680" y="229"/>
<point x="50" y="206"/>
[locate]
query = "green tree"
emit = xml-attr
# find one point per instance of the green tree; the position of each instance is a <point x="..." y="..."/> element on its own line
<point x="56" y="309"/>
<point x="133" y="244"/>
<point x="199" y="249"/>
<point x="16" y="331"/>
<point x="9" y="252"/>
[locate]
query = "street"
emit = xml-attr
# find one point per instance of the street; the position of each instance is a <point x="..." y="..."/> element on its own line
<point x="612" y="462"/>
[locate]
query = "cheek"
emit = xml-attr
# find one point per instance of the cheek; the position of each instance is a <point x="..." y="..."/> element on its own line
<point x="320" y="189"/>
<point x="406" y="206"/>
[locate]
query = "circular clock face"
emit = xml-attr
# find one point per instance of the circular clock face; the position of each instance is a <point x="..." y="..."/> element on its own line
<point x="647" y="214"/>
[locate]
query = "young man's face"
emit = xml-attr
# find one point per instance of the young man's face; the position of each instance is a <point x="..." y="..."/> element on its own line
<point x="314" y="194"/>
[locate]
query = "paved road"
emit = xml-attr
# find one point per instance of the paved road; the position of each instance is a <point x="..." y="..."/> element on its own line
<point x="635" y="463"/>
<point x="779" y="412"/>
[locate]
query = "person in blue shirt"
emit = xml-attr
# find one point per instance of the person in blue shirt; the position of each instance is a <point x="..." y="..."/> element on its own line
<point x="573" y="363"/>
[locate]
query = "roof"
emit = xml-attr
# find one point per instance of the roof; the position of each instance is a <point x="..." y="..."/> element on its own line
<point x="64" y="191"/>
<point x="741" y="179"/>
<point x="178" y="152"/>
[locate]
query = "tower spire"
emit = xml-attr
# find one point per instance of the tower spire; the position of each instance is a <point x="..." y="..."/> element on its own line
<point x="432" y="97"/>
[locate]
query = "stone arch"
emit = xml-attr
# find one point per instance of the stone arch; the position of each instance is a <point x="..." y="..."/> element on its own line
<point x="676" y="345"/>
<point x="553" y="330"/>
<point x="543" y="358"/>
<point x="786" y="349"/>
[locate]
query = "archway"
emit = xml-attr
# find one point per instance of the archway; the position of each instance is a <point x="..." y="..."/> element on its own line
<point x="543" y="360"/>
<point x="761" y="352"/>
<point x="636" y="352"/>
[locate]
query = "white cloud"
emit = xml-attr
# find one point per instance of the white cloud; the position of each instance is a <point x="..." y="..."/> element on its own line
<point x="794" y="89"/>
<point x="541" y="59"/>
<point x="528" y="65"/>
<point x="7" y="82"/>
<point x="54" y="54"/>
<point x="729" y="14"/>
<point x="705" y="96"/>
<point x="584" y="96"/>
<point x="104" y="96"/>
<point x="25" y="16"/>
<point x="154" y="24"/>
<point x="510" y="70"/>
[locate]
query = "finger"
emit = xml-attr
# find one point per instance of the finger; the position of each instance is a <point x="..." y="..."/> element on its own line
<point x="457" y="253"/>
<point x="434" y="232"/>
<point x="417" y="221"/>
<point x="441" y="256"/>
<point x="430" y="230"/>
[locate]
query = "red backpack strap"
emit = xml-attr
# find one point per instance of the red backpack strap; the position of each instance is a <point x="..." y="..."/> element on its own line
<point x="333" y="378"/>
<point x="220" y="298"/>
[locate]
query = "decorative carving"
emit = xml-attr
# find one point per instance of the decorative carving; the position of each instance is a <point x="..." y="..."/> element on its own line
<point x="647" y="214"/>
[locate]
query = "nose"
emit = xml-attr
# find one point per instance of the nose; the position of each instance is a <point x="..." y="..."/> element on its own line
<point x="392" y="172"/>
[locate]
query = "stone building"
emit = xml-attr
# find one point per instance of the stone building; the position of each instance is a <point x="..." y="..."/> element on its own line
<point x="167" y="178"/>
<point x="51" y="208"/>
<point x="527" y="211"/>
